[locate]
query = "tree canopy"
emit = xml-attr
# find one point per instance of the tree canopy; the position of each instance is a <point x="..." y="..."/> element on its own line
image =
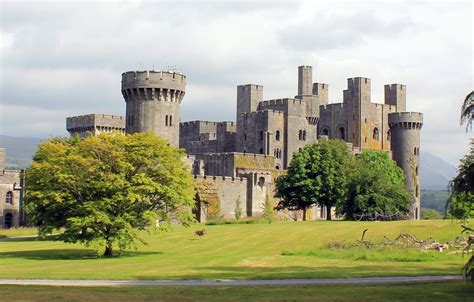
<point x="376" y="189"/>
<point x="317" y="174"/>
<point x="461" y="202"/>
<point x="102" y="190"/>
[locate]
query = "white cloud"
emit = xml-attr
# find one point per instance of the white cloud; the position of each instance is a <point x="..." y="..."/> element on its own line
<point x="60" y="59"/>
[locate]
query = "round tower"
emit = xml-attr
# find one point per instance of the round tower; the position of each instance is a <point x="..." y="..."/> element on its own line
<point x="405" y="142"/>
<point x="153" y="99"/>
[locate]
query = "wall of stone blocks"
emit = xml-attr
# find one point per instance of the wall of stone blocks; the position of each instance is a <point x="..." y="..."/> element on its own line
<point x="7" y="181"/>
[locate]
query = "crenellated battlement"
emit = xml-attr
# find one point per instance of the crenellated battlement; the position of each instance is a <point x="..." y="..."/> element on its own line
<point x="407" y="120"/>
<point x="220" y="178"/>
<point x="264" y="112"/>
<point x="197" y="123"/>
<point x="91" y="122"/>
<point x="153" y="78"/>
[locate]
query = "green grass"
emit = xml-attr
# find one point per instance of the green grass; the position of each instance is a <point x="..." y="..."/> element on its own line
<point x="450" y="291"/>
<point x="397" y="254"/>
<point x="237" y="251"/>
<point x="14" y="232"/>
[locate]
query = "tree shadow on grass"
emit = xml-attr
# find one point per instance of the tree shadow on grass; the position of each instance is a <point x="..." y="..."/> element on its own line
<point x="28" y="238"/>
<point x="302" y="272"/>
<point x="68" y="254"/>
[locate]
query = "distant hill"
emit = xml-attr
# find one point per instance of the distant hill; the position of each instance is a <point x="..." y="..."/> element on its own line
<point x="435" y="173"/>
<point x="19" y="150"/>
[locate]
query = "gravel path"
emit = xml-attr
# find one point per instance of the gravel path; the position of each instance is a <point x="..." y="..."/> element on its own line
<point x="276" y="282"/>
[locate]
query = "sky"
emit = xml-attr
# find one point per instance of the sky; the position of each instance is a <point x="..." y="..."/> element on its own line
<point x="60" y="59"/>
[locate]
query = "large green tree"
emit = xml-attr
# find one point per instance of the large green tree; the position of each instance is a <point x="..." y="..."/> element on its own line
<point x="376" y="188"/>
<point x="461" y="202"/>
<point x="317" y="175"/>
<point x="102" y="190"/>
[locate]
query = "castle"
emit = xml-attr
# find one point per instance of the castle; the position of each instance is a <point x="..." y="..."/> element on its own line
<point x="239" y="160"/>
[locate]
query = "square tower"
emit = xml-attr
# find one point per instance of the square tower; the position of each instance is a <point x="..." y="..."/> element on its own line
<point x="248" y="98"/>
<point x="396" y="94"/>
<point x="305" y="80"/>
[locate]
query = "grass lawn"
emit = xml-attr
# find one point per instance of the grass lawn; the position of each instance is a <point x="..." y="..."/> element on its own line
<point x="245" y="251"/>
<point x="451" y="291"/>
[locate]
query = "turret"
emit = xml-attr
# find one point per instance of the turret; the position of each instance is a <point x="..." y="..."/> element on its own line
<point x="305" y="80"/>
<point x="153" y="100"/>
<point x="248" y="98"/>
<point x="405" y="141"/>
<point x="395" y="94"/>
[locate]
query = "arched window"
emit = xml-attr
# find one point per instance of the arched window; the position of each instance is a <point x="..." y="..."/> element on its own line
<point x="325" y="131"/>
<point x="300" y="134"/>
<point x="376" y="134"/>
<point x="304" y="135"/>
<point x="342" y="133"/>
<point x="261" y="150"/>
<point x="388" y="135"/>
<point x="277" y="135"/>
<point x="166" y="120"/>
<point x="261" y="182"/>
<point x="9" y="197"/>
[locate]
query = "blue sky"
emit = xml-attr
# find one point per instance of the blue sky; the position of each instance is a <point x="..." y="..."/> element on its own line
<point x="66" y="58"/>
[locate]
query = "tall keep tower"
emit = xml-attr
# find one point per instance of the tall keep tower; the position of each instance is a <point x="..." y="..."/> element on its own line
<point x="153" y="99"/>
<point x="405" y="141"/>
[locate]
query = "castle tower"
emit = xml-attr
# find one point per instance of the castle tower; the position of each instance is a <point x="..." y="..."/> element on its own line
<point x="153" y="99"/>
<point x="305" y="80"/>
<point x="248" y="98"/>
<point x="395" y="94"/>
<point x="405" y="141"/>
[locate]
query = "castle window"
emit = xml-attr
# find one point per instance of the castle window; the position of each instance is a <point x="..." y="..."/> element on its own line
<point x="277" y="135"/>
<point x="388" y="135"/>
<point x="261" y="150"/>
<point x="8" y="220"/>
<point x="416" y="170"/>
<point x="416" y="191"/>
<point x="325" y="131"/>
<point x="261" y="135"/>
<point x="300" y="134"/>
<point x="277" y="167"/>
<point x="166" y="121"/>
<point x="365" y="139"/>
<point x="342" y="133"/>
<point x="365" y="120"/>
<point x="9" y="197"/>
<point x="304" y="135"/>
<point x="171" y="120"/>
<point x="261" y="182"/>
<point x="376" y="134"/>
<point x="245" y="136"/>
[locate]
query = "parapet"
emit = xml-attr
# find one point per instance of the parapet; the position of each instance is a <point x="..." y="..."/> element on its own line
<point x="409" y="120"/>
<point x="219" y="178"/>
<point x="248" y="87"/>
<point x="154" y="79"/>
<point x="95" y="120"/>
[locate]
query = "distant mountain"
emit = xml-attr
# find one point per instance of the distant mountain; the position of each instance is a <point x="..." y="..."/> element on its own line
<point x="435" y="173"/>
<point x="19" y="150"/>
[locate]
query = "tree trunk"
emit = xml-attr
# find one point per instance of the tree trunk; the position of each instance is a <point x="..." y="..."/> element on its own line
<point x="328" y="213"/>
<point x="304" y="214"/>
<point x="109" y="251"/>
